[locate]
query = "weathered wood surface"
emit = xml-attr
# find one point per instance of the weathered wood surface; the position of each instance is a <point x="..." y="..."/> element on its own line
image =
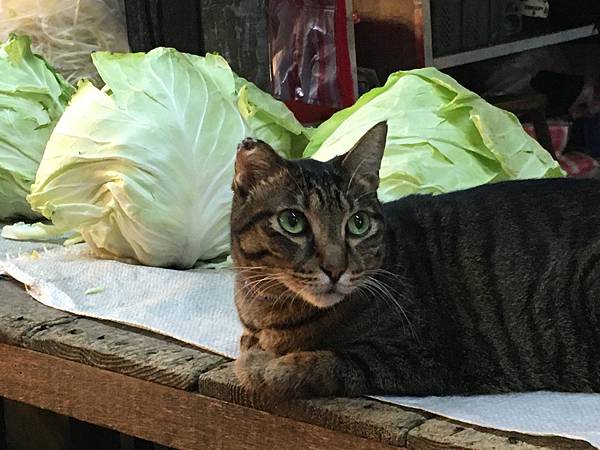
<point x="27" y="323"/>
<point x="366" y="418"/>
<point x="437" y="433"/>
<point x="379" y="421"/>
<point x="162" y="414"/>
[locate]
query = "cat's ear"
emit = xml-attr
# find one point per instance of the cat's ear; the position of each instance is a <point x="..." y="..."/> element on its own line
<point x="363" y="161"/>
<point x="255" y="161"/>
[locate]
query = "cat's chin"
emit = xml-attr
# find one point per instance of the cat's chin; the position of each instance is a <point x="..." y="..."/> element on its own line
<point x="324" y="300"/>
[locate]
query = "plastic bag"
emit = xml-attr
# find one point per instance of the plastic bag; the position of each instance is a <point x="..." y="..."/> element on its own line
<point x="67" y="31"/>
<point x="309" y="52"/>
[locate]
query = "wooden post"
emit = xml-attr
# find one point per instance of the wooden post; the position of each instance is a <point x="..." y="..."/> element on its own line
<point x="422" y="30"/>
<point x="238" y="31"/>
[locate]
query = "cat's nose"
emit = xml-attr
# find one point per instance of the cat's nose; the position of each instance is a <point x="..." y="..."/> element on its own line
<point x="333" y="274"/>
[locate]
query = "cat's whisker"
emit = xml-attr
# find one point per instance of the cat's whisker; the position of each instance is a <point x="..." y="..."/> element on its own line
<point x="388" y="296"/>
<point x="388" y="291"/>
<point x="252" y="281"/>
<point x="253" y="284"/>
<point x="270" y="280"/>
<point x="260" y="291"/>
<point x="386" y="273"/>
<point x="375" y="293"/>
<point x="249" y="268"/>
<point x="303" y="277"/>
<point x="365" y="194"/>
<point x="291" y="297"/>
<point x="356" y="170"/>
<point x="255" y="276"/>
<point x="300" y="293"/>
<point x="303" y="179"/>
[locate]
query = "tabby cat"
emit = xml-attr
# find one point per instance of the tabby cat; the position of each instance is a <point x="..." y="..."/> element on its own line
<point x="487" y="290"/>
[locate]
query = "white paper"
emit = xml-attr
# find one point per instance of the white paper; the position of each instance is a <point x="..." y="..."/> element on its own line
<point x="192" y="306"/>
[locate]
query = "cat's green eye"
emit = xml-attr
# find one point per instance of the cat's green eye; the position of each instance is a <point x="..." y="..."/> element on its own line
<point x="359" y="223"/>
<point x="292" y="221"/>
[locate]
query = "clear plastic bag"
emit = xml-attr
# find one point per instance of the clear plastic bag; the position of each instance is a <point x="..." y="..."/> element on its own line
<point x="309" y="52"/>
<point x="65" y="32"/>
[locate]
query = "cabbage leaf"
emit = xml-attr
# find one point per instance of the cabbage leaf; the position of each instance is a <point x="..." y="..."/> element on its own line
<point x="441" y="137"/>
<point x="32" y="99"/>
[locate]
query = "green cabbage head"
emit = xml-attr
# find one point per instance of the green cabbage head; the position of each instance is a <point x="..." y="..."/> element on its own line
<point x="142" y="168"/>
<point x="441" y="137"/>
<point x="32" y="99"/>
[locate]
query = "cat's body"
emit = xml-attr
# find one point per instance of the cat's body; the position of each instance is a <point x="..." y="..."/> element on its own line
<point x="492" y="289"/>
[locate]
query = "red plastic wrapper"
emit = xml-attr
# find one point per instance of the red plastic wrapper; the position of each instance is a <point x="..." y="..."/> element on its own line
<point x="310" y="58"/>
<point x="576" y="164"/>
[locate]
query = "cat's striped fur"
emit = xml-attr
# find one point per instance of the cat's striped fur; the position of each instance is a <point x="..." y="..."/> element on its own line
<point x="492" y="289"/>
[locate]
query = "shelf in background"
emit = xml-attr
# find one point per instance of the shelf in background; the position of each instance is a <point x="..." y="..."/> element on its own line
<point x="516" y="46"/>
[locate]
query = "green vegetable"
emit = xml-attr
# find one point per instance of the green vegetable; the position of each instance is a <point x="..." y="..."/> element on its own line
<point x="32" y="98"/>
<point x="143" y="168"/>
<point x="441" y="137"/>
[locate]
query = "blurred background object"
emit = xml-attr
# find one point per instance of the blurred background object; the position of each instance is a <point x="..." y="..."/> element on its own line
<point x="65" y="32"/>
<point x="310" y="60"/>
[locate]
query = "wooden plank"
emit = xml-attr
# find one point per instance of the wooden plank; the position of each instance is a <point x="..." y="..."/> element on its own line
<point x="151" y="411"/>
<point x="378" y="421"/>
<point x="19" y="313"/>
<point x="420" y="34"/>
<point x="29" y="428"/>
<point x="443" y="434"/>
<point x="364" y="417"/>
<point x="28" y="323"/>
<point x="238" y="31"/>
<point x="423" y="34"/>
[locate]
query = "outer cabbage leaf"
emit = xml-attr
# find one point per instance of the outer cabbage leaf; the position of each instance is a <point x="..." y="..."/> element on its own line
<point x="143" y="168"/>
<point x="32" y="98"/>
<point x="269" y="119"/>
<point x="441" y="137"/>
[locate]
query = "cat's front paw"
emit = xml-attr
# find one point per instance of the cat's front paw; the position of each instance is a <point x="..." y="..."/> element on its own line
<point x="301" y="374"/>
<point x="250" y="368"/>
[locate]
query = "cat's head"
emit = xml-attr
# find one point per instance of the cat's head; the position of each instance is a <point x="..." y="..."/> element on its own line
<point x="313" y="228"/>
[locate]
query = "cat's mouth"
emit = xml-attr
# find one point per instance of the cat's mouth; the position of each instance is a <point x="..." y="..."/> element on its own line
<point x="326" y="300"/>
<point x="321" y="293"/>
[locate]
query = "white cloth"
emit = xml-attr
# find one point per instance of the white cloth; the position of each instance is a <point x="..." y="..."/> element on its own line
<point x="197" y="307"/>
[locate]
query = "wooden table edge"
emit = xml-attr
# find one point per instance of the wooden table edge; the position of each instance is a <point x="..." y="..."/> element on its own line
<point x="151" y="411"/>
